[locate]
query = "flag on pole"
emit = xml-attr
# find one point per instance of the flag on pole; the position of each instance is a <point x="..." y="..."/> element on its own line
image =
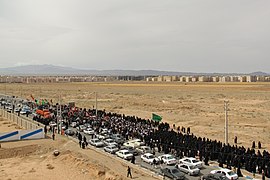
<point x="156" y="117"/>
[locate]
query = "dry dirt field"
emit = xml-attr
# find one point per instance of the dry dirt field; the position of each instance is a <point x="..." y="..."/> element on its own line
<point x="197" y="105"/>
<point x="34" y="160"/>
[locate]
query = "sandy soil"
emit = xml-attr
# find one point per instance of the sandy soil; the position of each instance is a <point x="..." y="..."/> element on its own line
<point x="34" y="160"/>
<point x="197" y="105"/>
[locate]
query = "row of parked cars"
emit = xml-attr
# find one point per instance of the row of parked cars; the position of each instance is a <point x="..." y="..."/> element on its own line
<point x="174" y="169"/>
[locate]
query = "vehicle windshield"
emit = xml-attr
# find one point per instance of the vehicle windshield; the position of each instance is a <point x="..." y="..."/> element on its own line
<point x="195" y="161"/>
<point x="192" y="167"/>
<point x="151" y="157"/>
<point x="231" y="173"/>
<point x="170" y="157"/>
<point x="175" y="171"/>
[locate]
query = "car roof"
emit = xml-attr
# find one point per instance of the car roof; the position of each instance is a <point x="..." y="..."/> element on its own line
<point x="224" y="169"/>
<point x="190" y="158"/>
<point x="124" y="150"/>
<point x="148" y="154"/>
<point x="166" y="155"/>
<point x="111" y="146"/>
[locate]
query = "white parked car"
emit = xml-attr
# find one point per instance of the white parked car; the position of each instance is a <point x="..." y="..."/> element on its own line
<point x="189" y="169"/>
<point x="149" y="158"/>
<point x="191" y="161"/>
<point x="81" y="128"/>
<point x="73" y="124"/>
<point x="109" y="142"/>
<point x="102" y="136"/>
<point x="168" y="159"/>
<point x="96" y="142"/>
<point x="111" y="149"/>
<point x="134" y="143"/>
<point x="226" y="172"/>
<point x="89" y="131"/>
<point x="143" y="149"/>
<point x="124" y="154"/>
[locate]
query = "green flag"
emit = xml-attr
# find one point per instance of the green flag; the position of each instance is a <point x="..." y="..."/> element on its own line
<point x="156" y="117"/>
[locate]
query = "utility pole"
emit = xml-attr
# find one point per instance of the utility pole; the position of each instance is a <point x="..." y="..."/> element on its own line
<point x="21" y="91"/>
<point x="226" y="104"/>
<point x="96" y="106"/>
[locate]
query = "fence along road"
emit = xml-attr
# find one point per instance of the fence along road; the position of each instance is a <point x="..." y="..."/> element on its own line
<point x="22" y="121"/>
<point x="34" y="130"/>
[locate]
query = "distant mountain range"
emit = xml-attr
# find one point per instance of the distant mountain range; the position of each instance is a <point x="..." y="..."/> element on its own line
<point x="59" y="70"/>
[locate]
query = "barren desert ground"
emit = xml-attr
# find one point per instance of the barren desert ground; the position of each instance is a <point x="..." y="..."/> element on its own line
<point x="34" y="160"/>
<point x="196" y="105"/>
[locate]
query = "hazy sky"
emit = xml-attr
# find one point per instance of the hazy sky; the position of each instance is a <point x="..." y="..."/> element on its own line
<point x="178" y="35"/>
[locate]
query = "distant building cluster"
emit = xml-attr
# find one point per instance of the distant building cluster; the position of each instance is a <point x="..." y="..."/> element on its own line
<point x="210" y="78"/>
<point x="65" y="79"/>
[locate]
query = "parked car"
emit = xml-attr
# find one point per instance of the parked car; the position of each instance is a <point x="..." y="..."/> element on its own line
<point x="9" y="109"/>
<point x="173" y="173"/>
<point x="73" y="124"/>
<point x="226" y="172"/>
<point x="102" y="136"/>
<point x="111" y="149"/>
<point x="134" y="143"/>
<point x="69" y="132"/>
<point x="214" y="177"/>
<point x="25" y="110"/>
<point x="96" y="142"/>
<point x="149" y="158"/>
<point x="104" y="131"/>
<point x="89" y="131"/>
<point x="143" y="149"/>
<point x="130" y="149"/>
<point x="124" y="154"/>
<point x="119" y="140"/>
<point x="167" y="159"/>
<point x="189" y="169"/>
<point x="81" y="128"/>
<point x="191" y="161"/>
<point x="109" y="142"/>
<point x="87" y="125"/>
<point x="113" y="136"/>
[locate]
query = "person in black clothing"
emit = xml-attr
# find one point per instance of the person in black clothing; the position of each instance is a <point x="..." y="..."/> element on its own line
<point x="259" y="145"/>
<point x="188" y="130"/>
<point x="239" y="173"/>
<point x="263" y="175"/>
<point x="83" y="145"/>
<point x="53" y="136"/>
<point x="129" y="172"/>
<point x="235" y="140"/>
<point x="85" y="141"/>
<point x="253" y="145"/>
<point x="133" y="159"/>
<point x="45" y="130"/>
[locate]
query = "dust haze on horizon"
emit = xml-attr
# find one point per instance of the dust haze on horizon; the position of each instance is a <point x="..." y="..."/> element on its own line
<point x="188" y="36"/>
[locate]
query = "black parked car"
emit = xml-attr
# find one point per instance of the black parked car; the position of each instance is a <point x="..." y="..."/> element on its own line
<point x="173" y="173"/>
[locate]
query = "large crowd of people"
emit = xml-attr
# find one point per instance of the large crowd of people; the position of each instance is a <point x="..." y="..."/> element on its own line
<point x="168" y="139"/>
